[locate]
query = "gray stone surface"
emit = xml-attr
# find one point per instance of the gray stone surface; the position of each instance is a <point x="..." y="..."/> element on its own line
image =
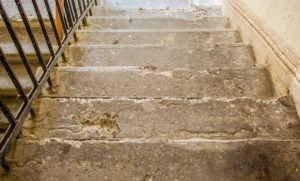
<point x="161" y="58"/>
<point x="159" y="104"/>
<point x="141" y="82"/>
<point x="237" y="118"/>
<point x="174" y="37"/>
<point x="155" y="160"/>
<point x="98" y="23"/>
<point x="199" y="12"/>
<point x="147" y="4"/>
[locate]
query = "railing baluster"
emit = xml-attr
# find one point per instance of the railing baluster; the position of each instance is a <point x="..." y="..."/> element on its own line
<point x="32" y="38"/>
<point x="75" y="11"/>
<point x="71" y="10"/>
<point x="68" y="9"/>
<point x="58" y="5"/>
<point x="81" y="11"/>
<point x="54" y="27"/>
<point x="88" y="2"/>
<point x="44" y="30"/>
<point x="17" y="44"/>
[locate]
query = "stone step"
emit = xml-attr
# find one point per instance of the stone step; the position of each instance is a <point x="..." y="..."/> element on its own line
<point x="98" y="23"/>
<point x="146" y="4"/>
<point x="200" y="12"/>
<point x="140" y="160"/>
<point x="207" y="118"/>
<point x="141" y="82"/>
<point x="160" y="57"/>
<point x="7" y="87"/>
<point x="175" y="38"/>
<point x="8" y="45"/>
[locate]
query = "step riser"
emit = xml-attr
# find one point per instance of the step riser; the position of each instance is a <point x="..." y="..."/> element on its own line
<point x="163" y="118"/>
<point x="156" y="23"/>
<point x="8" y="45"/>
<point x="7" y="87"/>
<point x="128" y="82"/>
<point x="259" y="160"/>
<point x="189" y="38"/>
<point x="161" y="58"/>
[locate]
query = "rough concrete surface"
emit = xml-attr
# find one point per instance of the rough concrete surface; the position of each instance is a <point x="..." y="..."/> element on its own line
<point x="163" y="118"/>
<point x="198" y="12"/>
<point x="155" y="160"/>
<point x="174" y="37"/>
<point x="144" y="82"/>
<point x="163" y="94"/>
<point x="161" y="57"/>
<point x="156" y="23"/>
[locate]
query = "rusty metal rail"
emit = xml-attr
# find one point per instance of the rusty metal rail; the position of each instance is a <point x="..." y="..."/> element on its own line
<point x="69" y="16"/>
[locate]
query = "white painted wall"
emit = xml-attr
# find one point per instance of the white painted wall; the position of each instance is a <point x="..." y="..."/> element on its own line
<point x="282" y="16"/>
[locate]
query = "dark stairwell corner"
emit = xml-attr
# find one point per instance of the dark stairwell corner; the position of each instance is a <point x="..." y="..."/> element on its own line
<point x="147" y="90"/>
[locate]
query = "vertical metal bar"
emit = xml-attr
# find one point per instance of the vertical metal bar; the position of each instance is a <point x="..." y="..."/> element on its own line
<point x="13" y="78"/>
<point x="52" y="22"/>
<point x="32" y="38"/>
<point x="88" y="3"/>
<point x="68" y="13"/>
<point x="81" y="11"/>
<point x="75" y="10"/>
<point x="4" y="164"/>
<point x="71" y="10"/>
<point x="61" y="18"/>
<point x="54" y="27"/>
<point x="17" y="44"/>
<point x="84" y="6"/>
<point x="44" y="30"/>
<point x="10" y="117"/>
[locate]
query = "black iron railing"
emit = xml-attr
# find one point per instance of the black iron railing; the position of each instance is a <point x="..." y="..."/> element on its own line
<point x="70" y="14"/>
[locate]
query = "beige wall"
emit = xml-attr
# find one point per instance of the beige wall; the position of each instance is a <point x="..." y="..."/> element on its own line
<point x="282" y="16"/>
<point x="272" y="27"/>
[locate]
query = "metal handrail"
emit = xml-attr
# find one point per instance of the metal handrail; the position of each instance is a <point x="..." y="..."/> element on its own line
<point x="70" y="14"/>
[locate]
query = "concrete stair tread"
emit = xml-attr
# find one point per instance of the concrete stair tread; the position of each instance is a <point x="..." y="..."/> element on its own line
<point x="156" y="23"/>
<point x="171" y="37"/>
<point x="160" y="57"/>
<point x="163" y="118"/>
<point x="140" y="81"/>
<point x="158" y="160"/>
<point x="203" y="11"/>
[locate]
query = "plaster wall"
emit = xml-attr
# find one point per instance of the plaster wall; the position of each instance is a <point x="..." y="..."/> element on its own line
<point x="272" y="28"/>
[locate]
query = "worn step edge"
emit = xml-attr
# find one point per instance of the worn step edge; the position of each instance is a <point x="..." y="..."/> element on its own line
<point x="156" y="30"/>
<point x="182" y="160"/>
<point x="178" y="118"/>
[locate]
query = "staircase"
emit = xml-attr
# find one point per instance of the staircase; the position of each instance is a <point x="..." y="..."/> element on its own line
<point x="159" y="95"/>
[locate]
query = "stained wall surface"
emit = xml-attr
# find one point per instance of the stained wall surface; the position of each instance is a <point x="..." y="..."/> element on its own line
<point x="282" y="16"/>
